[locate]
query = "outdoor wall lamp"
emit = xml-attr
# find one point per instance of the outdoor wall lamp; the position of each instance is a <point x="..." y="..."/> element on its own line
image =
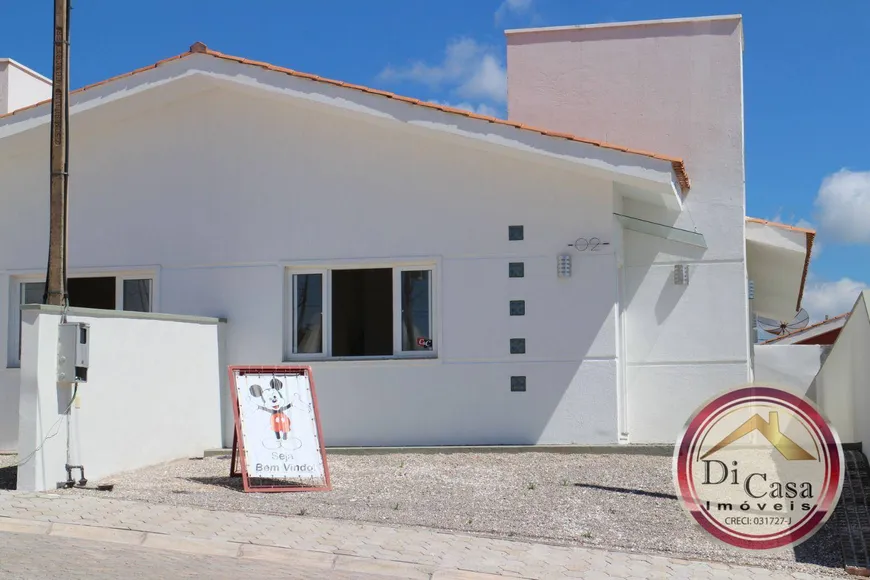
<point x="681" y="274"/>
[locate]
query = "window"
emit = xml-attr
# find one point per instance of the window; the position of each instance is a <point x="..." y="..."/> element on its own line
<point x="132" y="293"/>
<point x="360" y="312"/>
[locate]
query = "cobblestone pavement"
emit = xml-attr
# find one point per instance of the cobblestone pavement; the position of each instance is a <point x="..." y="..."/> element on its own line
<point x="28" y="556"/>
<point x="334" y="547"/>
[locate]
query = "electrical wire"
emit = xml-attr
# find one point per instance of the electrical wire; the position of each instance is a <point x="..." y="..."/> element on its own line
<point x="69" y="420"/>
<point x="63" y="416"/>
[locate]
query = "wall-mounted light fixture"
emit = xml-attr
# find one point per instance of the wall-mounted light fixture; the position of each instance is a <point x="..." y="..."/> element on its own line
<point x="681" y="274"/>
<point x="564" y="266"/>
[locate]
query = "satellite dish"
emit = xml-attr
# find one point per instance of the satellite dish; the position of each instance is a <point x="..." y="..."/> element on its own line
<point x="800" y="321"/>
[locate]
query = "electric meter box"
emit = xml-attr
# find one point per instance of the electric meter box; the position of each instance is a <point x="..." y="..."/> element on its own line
<point x="73" y="343"/>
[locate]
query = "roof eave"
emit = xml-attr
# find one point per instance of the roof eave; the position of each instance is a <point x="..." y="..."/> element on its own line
<point x="780" y="247"/>
<point x="664" y="177"/>
<point x="811" y="236"/>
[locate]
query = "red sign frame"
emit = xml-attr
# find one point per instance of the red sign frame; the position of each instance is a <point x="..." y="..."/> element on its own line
<point x="237" y="460"/>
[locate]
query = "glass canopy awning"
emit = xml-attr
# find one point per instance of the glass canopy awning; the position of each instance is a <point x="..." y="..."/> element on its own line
<point x="661" y="231"/>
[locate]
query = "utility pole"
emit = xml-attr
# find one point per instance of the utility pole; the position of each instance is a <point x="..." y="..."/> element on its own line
<point x="55" y="279"/>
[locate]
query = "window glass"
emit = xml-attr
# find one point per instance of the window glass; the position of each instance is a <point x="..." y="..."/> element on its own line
<point x="309" y="313"/>
<point x="32" y="292"/>
<point x="416" y="310"/>
<point x="137" y="295"/>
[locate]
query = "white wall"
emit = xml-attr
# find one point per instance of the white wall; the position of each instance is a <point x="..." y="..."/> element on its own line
<point x="9" y="381"/>
<point x="791" y="366"/>
<point x="222" y="189"/>
<point x="674" y="88"/>
<point x="842" y="388"/>
<point x="153" y="394"/>
<point x="20" y="86"/>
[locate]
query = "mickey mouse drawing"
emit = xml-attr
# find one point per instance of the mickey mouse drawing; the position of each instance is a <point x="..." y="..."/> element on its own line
<point x="274" y="404"/>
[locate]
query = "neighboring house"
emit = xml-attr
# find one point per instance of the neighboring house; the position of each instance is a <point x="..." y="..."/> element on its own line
<point x="577" y="274"/>
<point x="822" y="333"/>
<point x="840" y="387"/>
<point x="20" y="86"/>
<point x="778" y="261"/>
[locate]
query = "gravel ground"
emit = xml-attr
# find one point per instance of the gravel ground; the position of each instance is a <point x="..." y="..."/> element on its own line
<point x="623" y="502"/>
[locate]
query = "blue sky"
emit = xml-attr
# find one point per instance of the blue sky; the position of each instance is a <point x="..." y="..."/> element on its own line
<point x="806" y="82"/>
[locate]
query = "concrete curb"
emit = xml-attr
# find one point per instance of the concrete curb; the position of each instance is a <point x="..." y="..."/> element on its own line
<point x="633" y="449"/>
<point x="656" y="450"/>
<point x="308" y="559"/>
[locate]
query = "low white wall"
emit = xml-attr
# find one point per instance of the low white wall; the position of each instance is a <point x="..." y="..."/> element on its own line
<point x="9" y="379"/>
<point x="790" y="366"/>
<point x="153" y="394"/>
<point x="842" y="387"/>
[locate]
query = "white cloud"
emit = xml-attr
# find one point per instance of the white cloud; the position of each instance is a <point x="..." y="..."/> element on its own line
<point x="469" y="70"/>
<point x="823" y="298"/>
<point x="843" y="206"/>
<point x="513" y="7"/>
<point x="489" y="81"/>
<point x="798" y="223"/>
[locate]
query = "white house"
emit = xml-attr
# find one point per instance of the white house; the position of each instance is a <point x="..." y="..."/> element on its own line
<point x="413" y="254"/>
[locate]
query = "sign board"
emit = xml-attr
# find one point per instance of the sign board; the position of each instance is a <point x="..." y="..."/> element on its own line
<point x="277" y="444"/>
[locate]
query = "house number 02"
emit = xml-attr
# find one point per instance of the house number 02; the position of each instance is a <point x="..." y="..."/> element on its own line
<point x="588" y="244"/>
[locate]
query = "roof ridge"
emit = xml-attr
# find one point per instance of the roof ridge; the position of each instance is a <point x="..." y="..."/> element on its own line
<point x="677" y="164"/>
